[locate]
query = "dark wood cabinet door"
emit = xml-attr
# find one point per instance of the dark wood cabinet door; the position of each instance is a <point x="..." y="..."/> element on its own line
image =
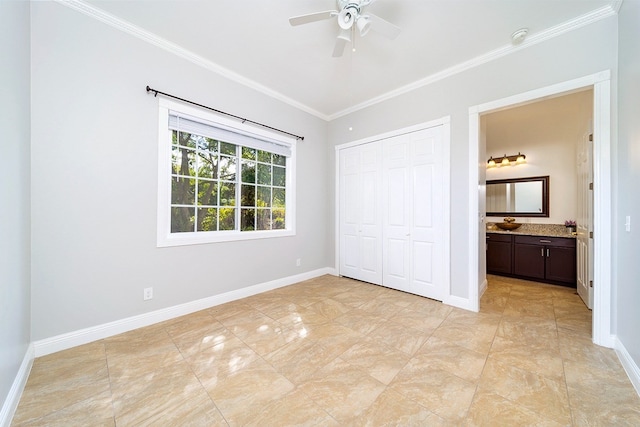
<point x="529" y="260"/>
<point x="499" y="257"/>
<point x="561" y="264"/>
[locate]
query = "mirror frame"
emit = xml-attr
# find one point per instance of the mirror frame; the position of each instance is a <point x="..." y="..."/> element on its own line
<point x="545" y="196"/>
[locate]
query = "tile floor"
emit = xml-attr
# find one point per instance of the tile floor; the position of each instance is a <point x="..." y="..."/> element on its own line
<point x="337" y="352"/>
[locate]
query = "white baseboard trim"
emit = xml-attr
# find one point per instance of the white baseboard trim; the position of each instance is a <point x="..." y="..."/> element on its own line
<point x="464" y="303"/>
<point x="10" y="404"/>
<point x="633" y="372"/>
<point x="87" y="335"/>
<point x="483" y="288"/>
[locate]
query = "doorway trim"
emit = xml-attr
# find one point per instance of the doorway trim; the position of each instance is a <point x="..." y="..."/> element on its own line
<point x="602" y="227"/>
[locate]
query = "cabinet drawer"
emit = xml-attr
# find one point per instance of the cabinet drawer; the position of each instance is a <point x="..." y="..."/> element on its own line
<point x="495" y="237"/>
<point x="546" y="241"/>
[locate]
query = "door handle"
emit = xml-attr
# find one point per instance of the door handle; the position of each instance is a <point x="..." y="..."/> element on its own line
<point x="547" y="253"/>
<point x="545" y="241"/>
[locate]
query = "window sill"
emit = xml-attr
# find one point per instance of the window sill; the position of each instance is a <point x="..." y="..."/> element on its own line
<point x="184" y="239"/>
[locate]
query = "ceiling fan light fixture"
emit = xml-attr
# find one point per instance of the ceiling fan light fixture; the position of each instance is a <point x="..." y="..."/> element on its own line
<point x="364" y="24"/>
<point x="345" y="35"/>
<point x="347" y="17"/>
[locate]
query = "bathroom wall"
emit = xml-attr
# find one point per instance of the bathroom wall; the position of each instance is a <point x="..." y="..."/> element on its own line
<point x="547" y="133"/>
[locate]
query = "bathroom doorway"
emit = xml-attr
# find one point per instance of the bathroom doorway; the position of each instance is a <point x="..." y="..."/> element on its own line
<point x="600" y="85"/>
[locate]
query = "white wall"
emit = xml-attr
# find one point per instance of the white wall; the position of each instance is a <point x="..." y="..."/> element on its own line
<point x="581" y="52"/>
<point x="14" y="192"/>
<point x="547" y="133"/>
<point x="94" y="163"/>
<point x="627" y="244"/>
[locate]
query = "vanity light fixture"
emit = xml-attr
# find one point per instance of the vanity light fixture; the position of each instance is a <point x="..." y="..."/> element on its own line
<point x="516" y="159"/>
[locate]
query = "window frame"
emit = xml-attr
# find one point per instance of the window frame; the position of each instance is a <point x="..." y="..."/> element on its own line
<point x="165" y="237"/>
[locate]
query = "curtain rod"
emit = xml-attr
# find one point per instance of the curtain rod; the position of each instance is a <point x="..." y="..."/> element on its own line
<point x="156" y="92"/>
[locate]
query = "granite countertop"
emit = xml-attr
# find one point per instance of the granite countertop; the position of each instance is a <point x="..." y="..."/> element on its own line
<point x="547" y="230"/>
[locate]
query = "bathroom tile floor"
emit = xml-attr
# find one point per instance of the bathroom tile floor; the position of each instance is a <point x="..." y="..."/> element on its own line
<point x="337" y="352"/>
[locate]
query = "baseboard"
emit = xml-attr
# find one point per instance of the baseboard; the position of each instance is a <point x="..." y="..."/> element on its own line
<point x="15" y="392"/>
<point x="628" y="364"/>
<point x="87" y="335"/>
<point x="459" y="302"/>
<point x="483" y="288"/>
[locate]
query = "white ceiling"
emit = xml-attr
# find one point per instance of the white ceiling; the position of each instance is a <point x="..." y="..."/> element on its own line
<point x="251" y="41"/>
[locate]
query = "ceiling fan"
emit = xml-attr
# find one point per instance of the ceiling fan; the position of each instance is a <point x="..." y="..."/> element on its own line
<point x="350" y="16"/>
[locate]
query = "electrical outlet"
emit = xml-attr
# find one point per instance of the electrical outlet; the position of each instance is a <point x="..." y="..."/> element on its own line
<point x="148" y="293"/>
<point x="298" y="262"/>
<point x="627" y="224"/>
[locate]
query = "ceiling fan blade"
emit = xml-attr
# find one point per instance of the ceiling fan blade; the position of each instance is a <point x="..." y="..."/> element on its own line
<point x="383" y="27"/>
<point x="341" y="42"/>
<point x="312" y="17"/>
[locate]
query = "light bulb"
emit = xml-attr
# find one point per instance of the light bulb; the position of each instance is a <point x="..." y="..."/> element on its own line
<point x="505" y="161"/>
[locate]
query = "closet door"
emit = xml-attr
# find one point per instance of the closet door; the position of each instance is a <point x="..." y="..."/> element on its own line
<point x="412" y="213"/>
<point x="360" y="219"/>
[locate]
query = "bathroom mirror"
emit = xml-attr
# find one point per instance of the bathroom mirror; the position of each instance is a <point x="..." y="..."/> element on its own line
<point x="518" y="197"/>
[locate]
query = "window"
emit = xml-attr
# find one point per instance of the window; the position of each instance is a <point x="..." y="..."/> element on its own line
<point x="220" y="180"/>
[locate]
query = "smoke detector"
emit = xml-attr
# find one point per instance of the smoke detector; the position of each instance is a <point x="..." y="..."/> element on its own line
<point x="518" y="36"/>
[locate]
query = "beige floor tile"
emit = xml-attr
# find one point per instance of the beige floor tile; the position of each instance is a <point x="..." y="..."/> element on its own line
<point x="300" y="359"/>
<point x="392" y="409"/>
<point x="378" y="360"/>
<point x="442" y="393"/>
<point x="302" y="319"/>
<point x="191" y="339"/>
<point x="380" y="308"/>
<point x="242" y="395"/>
<point x="418" y="320"/>
<point x="343" y="391"/>
<point x="602" y="409"/>
<point x="130" y="355"/>
<point x="334" y="335"/>
<point x="292" y="409"/>
<point x="478" y="338"/>
<point x="492" y="410"/>
<point x="535" y="392"/>
<point x="360" y="321"/>
<point x="430" y="307"/>
<point x="330" y="308"/>
<point x="269" y="336"/>
<point x="334" y="351"/>
<point x="526" y="329"/>
<point x="399" y="336"/>
<point x="57" y="382"/>
<point x="524" y="307"/>
<point x="352" y="298"/>
<point x="452" y="358"/>
<point x="218" y="362"/>
<point x="95" y="410"/>
<point x="540" y="359"/>
<point x="162" y="394"/>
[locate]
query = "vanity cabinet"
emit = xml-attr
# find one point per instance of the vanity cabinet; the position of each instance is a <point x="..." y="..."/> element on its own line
<point x="544" y="259"/>
<point x="552" y="259"/>
<point x="499" y="254"/>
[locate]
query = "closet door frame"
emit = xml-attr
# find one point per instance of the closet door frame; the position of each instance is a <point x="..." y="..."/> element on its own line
<point x="446" y="193"/>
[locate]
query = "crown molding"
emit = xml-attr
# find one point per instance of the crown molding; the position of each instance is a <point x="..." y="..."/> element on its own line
<point x="565" y="27"/>
<point x="177" y="50"/>
<point x="127" y="27"/>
